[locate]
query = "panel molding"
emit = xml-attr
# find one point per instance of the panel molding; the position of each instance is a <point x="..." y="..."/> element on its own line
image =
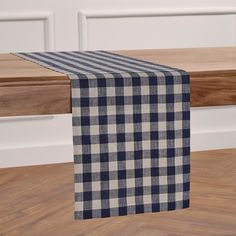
<point x="46" y="17"/>
<point x="84" y="16"/>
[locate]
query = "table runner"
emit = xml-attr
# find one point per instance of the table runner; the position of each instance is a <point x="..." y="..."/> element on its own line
<point x="131" y="132"/>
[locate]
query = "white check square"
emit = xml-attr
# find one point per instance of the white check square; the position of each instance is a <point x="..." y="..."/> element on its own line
<point x="113" y="184"/>
<point x="130" y="201"/>
<point x="128" y="91"/>
<point x="95" y="148"/>
<point x="96" y="204"/>
<point x="113" y="166"/>
<point x="114" y="202"/>
<point x="147" y="199"/>
<point x="130" y="183"/>
<point x="179" y="196"/>
<point x="96" y="167"/>
<point x="111" y="91"/>
<point x="163" y="180"/>
<point x="163" y="198"/>
<point x="96" y="186"/>
<point x="162" y="162"/>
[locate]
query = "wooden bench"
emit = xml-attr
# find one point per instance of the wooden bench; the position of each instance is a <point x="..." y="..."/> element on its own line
<point x="29" y="89"/>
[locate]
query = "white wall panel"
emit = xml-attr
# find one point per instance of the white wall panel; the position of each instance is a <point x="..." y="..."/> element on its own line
<point x="157" y="28"/>
<point x="22" y="36"/>
<point x="161" y="32"/>
<point x="25" y="32"/>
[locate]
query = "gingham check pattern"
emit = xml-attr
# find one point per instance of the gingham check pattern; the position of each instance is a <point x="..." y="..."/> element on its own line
<point x="131" y="133"/>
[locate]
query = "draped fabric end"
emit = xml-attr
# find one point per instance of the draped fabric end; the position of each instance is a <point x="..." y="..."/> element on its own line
<point x="131" y="132"/>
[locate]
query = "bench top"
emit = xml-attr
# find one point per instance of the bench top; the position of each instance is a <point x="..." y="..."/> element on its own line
<point x="42" y="91"/>
<point x="197" y="61"/>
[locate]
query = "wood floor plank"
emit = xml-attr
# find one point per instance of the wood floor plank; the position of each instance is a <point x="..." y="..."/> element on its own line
<point x="39" y="201"/>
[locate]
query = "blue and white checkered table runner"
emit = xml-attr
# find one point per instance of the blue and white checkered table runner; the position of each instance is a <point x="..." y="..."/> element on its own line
<point x="131" y="132"/>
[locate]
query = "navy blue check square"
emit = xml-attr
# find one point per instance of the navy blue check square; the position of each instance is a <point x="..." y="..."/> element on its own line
<point x="131" y="133"/>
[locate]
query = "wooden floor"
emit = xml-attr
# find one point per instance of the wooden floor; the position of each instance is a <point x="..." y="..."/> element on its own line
<point x="39" y="201"/>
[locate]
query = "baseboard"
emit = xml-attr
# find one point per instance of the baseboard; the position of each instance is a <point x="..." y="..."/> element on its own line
<point x="36" y="155"/>
<point x="40" y="155"/>
<point x="213" y="140"/>
<point x="47" y="140"/>
<point x="213" y="128"/>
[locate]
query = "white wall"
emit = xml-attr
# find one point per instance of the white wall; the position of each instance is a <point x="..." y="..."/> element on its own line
<point x="29" y="25"/>
<point x="108" y="24"/>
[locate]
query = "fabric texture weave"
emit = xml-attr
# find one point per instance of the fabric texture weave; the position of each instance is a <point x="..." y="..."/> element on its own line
<point x="131" y="132"/>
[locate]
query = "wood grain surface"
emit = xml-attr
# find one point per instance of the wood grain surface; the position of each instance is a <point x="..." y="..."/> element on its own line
<point x="34" y="99"/>
<point x="20" y="70"/>
<point x="197" y="61"/>
<point x="29" y="89"/>
<point x="212" y="71"/>
<point x="39" y="201"/>
<point x="212" y="74"/>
